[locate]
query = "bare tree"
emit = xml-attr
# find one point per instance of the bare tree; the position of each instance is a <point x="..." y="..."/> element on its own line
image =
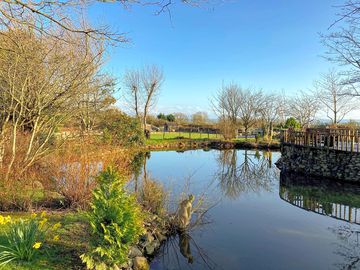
<point x="251" y="105"/>
<point x="152" y="79"/>
<point x="41" y="80"/>
<point x="303" y="108"/>
<point x="271" y="110"/>
<point x="343" y="44"/>
<point x="143" y="89"/>
<point x="226" y="105"/>
<point x="181" y="118"/>
<point x="200" y="118"/>
<point x="50" y="17"/>
<point x="333" y="97"/>
<point x="235" y="105"/>
<point x="97" y="97"/>
<point x="134" y="91"/>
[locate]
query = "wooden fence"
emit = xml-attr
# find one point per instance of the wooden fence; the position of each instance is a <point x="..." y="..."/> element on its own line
<point x="330" y="138"/>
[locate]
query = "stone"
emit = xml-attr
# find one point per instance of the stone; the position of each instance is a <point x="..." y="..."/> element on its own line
<point x="160" y="237"/>
<point x="146" y="239"/>
<point x="149" y="237"/>
<point x="135" y="252"/>
<point x="116" y="267"/>
<point x="330" y="163"/>
<point x="140" y="263"/>
<point x="151" y="247"/>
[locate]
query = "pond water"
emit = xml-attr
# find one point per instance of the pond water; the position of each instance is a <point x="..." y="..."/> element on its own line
<point x="258" y="218"/>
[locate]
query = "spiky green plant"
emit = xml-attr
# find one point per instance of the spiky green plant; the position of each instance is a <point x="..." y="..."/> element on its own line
<point x="116" y="222"/>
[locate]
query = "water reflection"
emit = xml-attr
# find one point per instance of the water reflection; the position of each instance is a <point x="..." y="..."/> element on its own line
<point x="182" y="251"/>
<point x="347" y="246"/>
<point x="184" y="246"/>
<point x="330" y="198"/>
<point x="325" y="197"/>
<point x="250" y="172"/>
<point x="138" y="167"/>
<point x="259" y="230"/>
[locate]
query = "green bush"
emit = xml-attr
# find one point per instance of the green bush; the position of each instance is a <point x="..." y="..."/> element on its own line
<point x="123" y="130"/>
<point x="292" y="123"/>
<point x="116" y="223"/>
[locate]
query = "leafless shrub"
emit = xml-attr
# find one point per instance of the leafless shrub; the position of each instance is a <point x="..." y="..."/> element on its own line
<point x="153" y="197"/>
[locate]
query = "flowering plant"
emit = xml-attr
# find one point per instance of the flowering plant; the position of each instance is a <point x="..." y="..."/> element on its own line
<point x="25" y="237"/>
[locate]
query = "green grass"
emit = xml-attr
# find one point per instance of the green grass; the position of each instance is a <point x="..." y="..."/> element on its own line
<point x="184" y="135"/>
<point x="56" y="255"/>
<point x="252" y="140"/>
<point x="158" y="138"/>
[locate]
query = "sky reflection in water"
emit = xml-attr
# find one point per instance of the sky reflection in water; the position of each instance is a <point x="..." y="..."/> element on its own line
<point x="263" y="220"/>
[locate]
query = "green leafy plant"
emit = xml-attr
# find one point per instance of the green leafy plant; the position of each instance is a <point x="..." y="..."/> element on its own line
<point x="291" y="122"/>
<point x="116" y="222"/>
<point x="25" y="237"/>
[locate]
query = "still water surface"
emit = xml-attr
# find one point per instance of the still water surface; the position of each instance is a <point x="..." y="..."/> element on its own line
<point x="261" y="219"/>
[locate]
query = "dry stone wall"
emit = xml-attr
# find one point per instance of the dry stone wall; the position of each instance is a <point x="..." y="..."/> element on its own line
<point x="313" y="161"/>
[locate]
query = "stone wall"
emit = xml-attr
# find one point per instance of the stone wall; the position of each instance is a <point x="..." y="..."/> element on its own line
<point x="329" y="163"/>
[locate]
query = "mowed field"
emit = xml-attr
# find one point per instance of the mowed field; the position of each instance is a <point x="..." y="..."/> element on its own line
<point x="185" y="135"/>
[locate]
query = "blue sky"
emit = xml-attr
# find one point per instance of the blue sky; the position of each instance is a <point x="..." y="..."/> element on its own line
<point x="273" y="45"/>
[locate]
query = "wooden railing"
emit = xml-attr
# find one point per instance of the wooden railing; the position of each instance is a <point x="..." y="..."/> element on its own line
<point x="330" y="138"/>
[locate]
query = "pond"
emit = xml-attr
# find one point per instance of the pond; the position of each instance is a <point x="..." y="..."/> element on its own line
<point x="257" y="218"/>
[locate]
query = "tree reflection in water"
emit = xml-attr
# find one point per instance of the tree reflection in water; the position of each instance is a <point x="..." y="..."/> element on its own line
<point x="347" y="247"/>
<point x="138" y="167"/>
<point x="252" y="173"/>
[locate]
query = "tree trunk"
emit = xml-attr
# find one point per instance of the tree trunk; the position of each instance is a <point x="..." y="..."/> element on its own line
<point x="271" y="132"/>
<point x="2" y="150"/>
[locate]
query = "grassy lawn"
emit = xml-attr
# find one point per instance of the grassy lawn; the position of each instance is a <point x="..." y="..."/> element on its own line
<point x="244" y="140"/>
<point x="158" y="138"/>
<point x="56" y="255"/>
<point x="184" y="135"/>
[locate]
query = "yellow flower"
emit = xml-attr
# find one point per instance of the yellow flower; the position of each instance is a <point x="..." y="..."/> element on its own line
<point x="33" y="215"/>
<point x="56" y="238"/>
<point x="37" y="245"/>
<point x="42" y="222"/>
<point x="2" y="220"/>
<point x="56" y="226"/>
<point x="43" y="214"/>
<point x="7" y="219"/>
